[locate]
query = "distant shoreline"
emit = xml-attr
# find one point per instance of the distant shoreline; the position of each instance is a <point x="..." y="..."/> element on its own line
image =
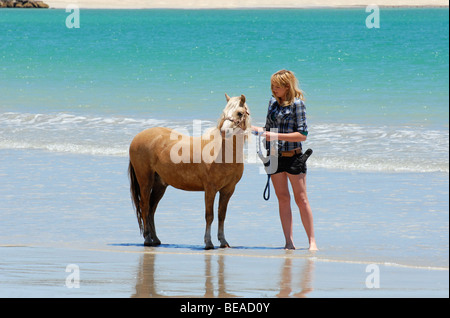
<point x="221" y="4"/>
<point x="242" y="4"/>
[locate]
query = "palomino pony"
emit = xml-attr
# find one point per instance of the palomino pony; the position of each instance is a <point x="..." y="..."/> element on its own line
<point x="211" y="163"/>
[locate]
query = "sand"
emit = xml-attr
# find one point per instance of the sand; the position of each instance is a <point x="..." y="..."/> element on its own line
<point x="60" y="213"/>
<point x="214" y="4"/>
<point x="175" y="271"/>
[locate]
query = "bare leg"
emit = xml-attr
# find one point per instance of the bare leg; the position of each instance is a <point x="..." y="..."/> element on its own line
<point x="298" y="183"/>
<point x="280" y="184"/>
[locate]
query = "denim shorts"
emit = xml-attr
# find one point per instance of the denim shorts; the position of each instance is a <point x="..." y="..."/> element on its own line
<point x="291" y="165"/>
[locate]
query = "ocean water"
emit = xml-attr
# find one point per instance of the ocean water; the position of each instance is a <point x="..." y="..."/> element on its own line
<point x="377" y="99"/>
<point x="71" y="101"/>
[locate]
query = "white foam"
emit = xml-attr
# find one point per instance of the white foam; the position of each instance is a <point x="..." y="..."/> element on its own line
<point x="59" y="120"/>
<point x="336" y="145"/>
<point x="67" y="147"/>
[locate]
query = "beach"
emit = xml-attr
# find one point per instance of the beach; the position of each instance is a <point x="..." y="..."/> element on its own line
<point x="52" y="218"/>
<point x="72" y="99"/>
<point x="217" y="4"/>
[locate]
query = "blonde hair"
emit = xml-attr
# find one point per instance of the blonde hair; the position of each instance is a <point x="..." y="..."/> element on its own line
<point x="286" y="78"/>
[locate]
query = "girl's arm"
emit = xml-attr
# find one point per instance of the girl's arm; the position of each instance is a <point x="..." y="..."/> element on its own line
<point x="258" y="129"/>
<point x="292" y="137"/>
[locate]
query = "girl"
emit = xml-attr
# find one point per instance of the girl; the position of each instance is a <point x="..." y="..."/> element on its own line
<point x="286" y="113"/>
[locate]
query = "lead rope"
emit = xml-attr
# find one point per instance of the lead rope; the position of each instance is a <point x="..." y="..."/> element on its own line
<point x="304" y="157"/>
<point x="267" y="189"/>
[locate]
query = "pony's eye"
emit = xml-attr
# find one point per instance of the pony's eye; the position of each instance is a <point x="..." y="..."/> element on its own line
<point x="239" y="114"/>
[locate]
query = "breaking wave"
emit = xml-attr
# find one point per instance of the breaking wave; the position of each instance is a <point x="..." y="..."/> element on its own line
<point x="336" y="146"/>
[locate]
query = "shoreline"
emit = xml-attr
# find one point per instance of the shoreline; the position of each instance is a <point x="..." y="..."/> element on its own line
<point x="82" y="219"/>
<point x="262" y="8"/>
<point x="221" y="5"/>
<point x="245" y="4"/>
<point x="140" y="272"/>
<point x="333" y="218"/>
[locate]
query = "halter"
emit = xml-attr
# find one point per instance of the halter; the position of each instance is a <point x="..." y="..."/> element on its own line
<point x="239" y="121"/>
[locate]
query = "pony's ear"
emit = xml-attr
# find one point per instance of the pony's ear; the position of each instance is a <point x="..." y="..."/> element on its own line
<point x="243" y="99"/>
<point x="227" y="97"/>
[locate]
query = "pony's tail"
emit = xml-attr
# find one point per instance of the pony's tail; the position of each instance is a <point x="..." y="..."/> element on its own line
<point x="135" y="195"/>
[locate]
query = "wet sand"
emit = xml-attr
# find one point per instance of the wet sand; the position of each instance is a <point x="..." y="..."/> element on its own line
<point x="58" y="209"/>
<point x="190" y="272"/>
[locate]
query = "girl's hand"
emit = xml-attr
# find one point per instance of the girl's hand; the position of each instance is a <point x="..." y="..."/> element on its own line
<point x="270" y="135"/>
<point x="257" y="130"/>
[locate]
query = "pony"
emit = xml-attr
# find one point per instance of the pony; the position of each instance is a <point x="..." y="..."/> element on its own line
<point x="212" y="163"/>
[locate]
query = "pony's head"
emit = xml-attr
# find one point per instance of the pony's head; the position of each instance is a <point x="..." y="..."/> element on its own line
<point x="235" y="115"/>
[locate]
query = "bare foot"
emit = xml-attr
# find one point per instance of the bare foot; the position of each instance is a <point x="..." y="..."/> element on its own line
<point x="313" y="247"/>
<point x="289" y="246"/>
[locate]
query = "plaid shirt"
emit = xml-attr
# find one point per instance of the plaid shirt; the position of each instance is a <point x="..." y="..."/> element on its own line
<point x="287" y="119"/>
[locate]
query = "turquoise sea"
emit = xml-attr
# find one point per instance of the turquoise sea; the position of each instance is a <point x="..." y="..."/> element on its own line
<point x="72" y="99"/>
<point x="377" y="98"/>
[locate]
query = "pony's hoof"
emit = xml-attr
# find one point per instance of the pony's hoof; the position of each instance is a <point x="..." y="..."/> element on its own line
<point x="156" y="243"/>
<point x="209" y="247"/>
<point x="148" y="242"/>
<point x="226" y="245"/>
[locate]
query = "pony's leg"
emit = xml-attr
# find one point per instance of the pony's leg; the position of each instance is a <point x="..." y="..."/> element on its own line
<point x="225" y="196"/>
<point x="210" y="195"/>
<point x="158" y="190"/>
<point x="145" y="207"/>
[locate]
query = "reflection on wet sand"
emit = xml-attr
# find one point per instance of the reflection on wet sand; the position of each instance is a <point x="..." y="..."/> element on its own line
<point x="222" y="276"/>
<point x="306" y="279"/>
<point x="148" y="284"/>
